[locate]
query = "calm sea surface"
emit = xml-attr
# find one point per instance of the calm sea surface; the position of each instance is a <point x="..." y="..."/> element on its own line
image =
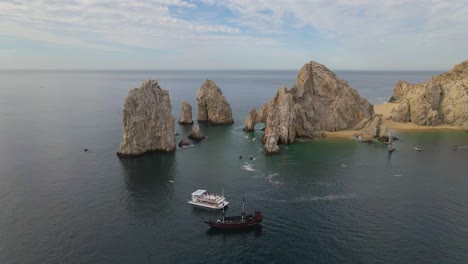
<point x="330" y="201"/>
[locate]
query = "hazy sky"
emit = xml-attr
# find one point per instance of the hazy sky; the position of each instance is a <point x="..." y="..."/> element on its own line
<point x="233" y="34"/>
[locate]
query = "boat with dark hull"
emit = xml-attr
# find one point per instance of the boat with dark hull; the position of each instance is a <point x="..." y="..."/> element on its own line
<point x="237" y="222"/>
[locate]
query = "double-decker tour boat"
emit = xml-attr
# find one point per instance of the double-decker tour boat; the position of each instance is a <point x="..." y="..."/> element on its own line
<point x="235" y="222"/>
<point x="204" y="199"/>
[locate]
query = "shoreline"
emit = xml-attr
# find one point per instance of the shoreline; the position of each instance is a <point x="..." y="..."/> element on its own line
<point x="385" y="109"/>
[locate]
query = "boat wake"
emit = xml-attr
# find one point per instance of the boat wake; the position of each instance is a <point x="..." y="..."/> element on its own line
<point x="271" y="177"/>
<point x="248" y="167"/>
<point x="237" y="130"/>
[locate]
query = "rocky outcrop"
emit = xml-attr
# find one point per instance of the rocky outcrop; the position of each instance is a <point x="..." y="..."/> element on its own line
<point x="441" y="100"/>
<point x="319" y="101"/>
<point x="195" y="133"/>
<point x="184" y="143"/>
<point x="373" y="128"/>
<point x="212" y="106"/>
<point x="251" y="120"/>
<point x="148" y="124"/>
<point x="186" y="114"/>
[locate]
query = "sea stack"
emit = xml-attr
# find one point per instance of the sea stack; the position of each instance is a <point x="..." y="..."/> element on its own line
<point x="319" y="101"/>
<point x="195" y="134"/>
<point x="186" y="114"/>
<point x="441" y="100"/>
<point x="213" y="108"/>
<point x="148" y="124"/>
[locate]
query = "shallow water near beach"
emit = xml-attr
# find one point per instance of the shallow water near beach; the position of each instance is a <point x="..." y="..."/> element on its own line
<point x="328" y="201"/>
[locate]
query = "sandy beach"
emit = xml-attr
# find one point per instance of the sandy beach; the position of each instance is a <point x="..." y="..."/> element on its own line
<point x="384" y="110"/>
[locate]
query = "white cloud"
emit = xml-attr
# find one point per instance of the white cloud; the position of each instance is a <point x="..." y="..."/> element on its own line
<point x="346" y="33"/>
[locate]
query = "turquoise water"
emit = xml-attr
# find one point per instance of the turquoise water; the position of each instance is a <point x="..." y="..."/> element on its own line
<point x="330" y="201"/>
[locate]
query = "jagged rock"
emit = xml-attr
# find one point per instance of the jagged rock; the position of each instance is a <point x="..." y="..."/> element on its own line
<point x="148" y="124"/>
<point x="441" y="100"/>
<point x="250" y="122"/>
<point x="319" y="101"/>
<point x="374" y="128"/>
<point x="186" y="113"/>
<point x="402" y="112"/>
<point x="271" y="146"/>
<point x="212" y="106"/>
<point x="195" y="133"/>
<point x="184" y="142"/>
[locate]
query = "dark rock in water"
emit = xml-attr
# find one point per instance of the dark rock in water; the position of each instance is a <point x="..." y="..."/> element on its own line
<point x="240" y="157"/>
<point x="250" y="157"/>
<point x="184" y="142"/>
<point x="195" y="134"/>
<point x="176" y="134"/>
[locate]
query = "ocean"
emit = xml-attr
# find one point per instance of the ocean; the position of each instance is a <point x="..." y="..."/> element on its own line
<point x="327" y="201"/>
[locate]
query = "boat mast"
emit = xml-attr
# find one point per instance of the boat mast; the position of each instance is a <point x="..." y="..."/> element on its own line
<point x="243" y="208"/>
<point x="223" y="211"/>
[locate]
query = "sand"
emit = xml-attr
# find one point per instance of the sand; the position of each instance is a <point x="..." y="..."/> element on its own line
<point x="384" y="110"/>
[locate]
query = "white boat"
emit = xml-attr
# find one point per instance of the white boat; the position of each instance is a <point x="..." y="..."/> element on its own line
<point x="204" y="199"/>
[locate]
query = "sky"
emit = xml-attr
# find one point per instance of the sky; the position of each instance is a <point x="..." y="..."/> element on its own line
<point x="233" y="34"/>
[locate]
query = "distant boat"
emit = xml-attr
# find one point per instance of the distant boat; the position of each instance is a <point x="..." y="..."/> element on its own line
<point x="237" y="222"/>
<point x="417" y="149"/>
<point x="204" y="199"/>
<point x="391" y="148"/>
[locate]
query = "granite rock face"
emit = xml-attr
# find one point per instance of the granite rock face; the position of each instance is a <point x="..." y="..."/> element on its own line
<point x="319" y="101"/>
<point x="251" y="120"/>
<point x="212" y="106"/>
<point x="441" y="100"/>
<point x="148" y="124"/>
<point x="186" y="114"/>
<point x="374" y="128"/>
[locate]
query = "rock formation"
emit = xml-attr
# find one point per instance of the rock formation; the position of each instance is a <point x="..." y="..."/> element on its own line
<point x="212" y="106"/>
<point x="195" y="133"/>
<point x="441" y="100"/>
<point x="319" y="101"/>
<point x="250" y="122"/>
<point x="148" y="124"/>
<point x="373" y="128"/>
<point x="186" y="114"/>
<point x="183" y="143"/>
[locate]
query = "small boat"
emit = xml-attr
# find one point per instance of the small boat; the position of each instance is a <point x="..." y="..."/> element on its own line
<point x="204" y="199"/>
<point x="417" y="149"/>
<point x="237" y="222"/>
<point x="391" y="148"/>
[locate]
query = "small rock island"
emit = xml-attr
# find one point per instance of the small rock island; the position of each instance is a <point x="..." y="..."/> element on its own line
<point x="213" y="108"/>
<point x="186" y="114"/>
<point x="148" y="124"/>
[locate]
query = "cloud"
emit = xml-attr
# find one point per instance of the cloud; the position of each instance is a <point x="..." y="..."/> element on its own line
<point x="117" y="20"/>
<point x="342" y="33"/>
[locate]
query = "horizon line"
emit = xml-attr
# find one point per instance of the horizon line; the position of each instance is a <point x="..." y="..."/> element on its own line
<point x="356" y="70"/>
